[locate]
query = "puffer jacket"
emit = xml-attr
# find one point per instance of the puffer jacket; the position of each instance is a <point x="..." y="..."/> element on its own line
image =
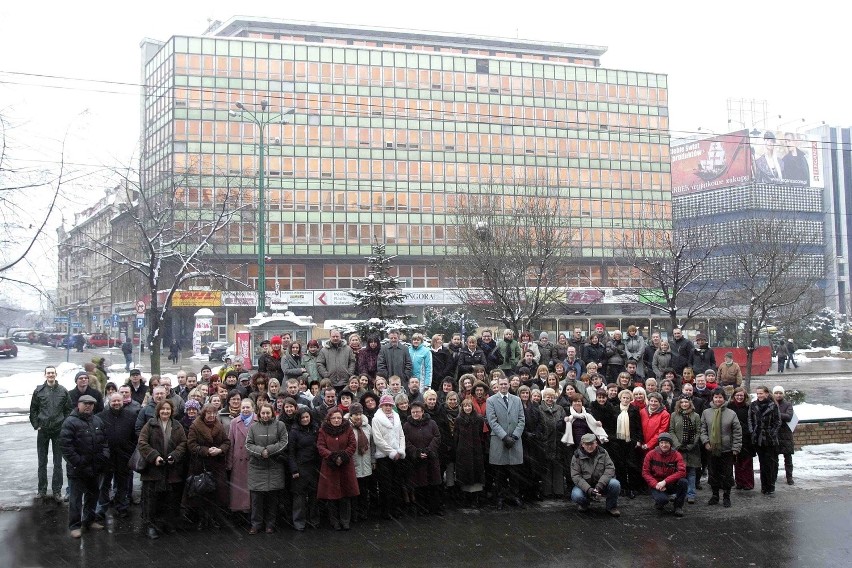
<point x="732" y="432"/>
<point x="266" y="474"/>
<point x="84" y="445"/>
<point x="49" y="407"/>
<point x="615" y="353"/>
<point x="659" y="466"/>
<point x="785" y="435"/>
<point x="592" y="470"/>
<point x="421" y="364"/>
<point x="389" y="438"/>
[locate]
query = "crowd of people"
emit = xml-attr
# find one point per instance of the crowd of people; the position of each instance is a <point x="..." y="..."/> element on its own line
<point x="342" y="432"/>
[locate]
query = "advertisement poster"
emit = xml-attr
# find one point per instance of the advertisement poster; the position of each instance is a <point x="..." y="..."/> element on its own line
<point x="243" y="347"/>
<point x="712" y="163"/>
<point x="786" y="158"/>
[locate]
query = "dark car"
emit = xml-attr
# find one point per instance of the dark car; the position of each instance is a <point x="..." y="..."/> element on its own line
<point x="217" y="351"/>
<point x="8" y="347"/>
<point x="24" y="335"/>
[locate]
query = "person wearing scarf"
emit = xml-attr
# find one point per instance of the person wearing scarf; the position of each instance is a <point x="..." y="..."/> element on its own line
<point x="238" y="458"/>
<point x="337" y="445"/>
<point x="553" y="426"/>
<point x="625" y="445"/>
<point x="363" y="459"/>
<point x="685" y="427"/>
<point x="389" y="441"/>
<point x="722" y="437"/>
<point x="579" y="423"/>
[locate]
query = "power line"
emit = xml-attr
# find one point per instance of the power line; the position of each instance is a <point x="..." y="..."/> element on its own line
<point x="201" y="90"/>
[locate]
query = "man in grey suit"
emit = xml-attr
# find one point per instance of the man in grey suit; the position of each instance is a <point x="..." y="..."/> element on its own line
<point x="506" y="418"/>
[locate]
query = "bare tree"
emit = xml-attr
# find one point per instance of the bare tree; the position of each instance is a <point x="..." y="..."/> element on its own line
<point x="774" y="272"/>
<point x="672" y="263"/>
<point x="513" y="248"/>
<point x="27" y="201"/>
<point x="174" y="245"/>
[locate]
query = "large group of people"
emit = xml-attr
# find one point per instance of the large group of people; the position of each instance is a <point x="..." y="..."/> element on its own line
<point x="340" y="432"/>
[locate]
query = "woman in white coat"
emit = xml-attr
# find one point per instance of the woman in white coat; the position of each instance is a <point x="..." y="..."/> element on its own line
<point x="389" y="442"/>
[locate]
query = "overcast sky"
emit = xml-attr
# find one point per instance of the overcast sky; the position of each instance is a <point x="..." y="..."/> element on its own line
<point x="794" y="56"/>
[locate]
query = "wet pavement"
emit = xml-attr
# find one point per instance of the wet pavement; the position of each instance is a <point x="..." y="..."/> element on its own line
<point x="800" y="527"/>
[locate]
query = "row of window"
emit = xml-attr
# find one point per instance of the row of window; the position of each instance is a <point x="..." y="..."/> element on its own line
<point x="408" y="78"/>
<point x="210" y="47"/>
<point x="324" y="140"/>
<point x="415" y="47"/>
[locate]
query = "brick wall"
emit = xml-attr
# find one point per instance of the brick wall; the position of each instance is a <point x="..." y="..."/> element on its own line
<point x="836" y="431"/>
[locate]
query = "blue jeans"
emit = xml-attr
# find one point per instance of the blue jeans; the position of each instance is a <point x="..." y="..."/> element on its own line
<point x="691" y="473"/>
<point x="612" y="491"/>
<point x="661" y="498"/>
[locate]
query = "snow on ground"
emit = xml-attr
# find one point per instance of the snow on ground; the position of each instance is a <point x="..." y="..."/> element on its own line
<point x="808" y="355"/>
<point x="824" y="461"/>
<point x="808" y="411"/>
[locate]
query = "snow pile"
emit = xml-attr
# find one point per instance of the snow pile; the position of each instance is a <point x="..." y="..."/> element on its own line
<point x="818" y="354"/>
<point x="808" y="411"/>
<point x="825" y="461"/>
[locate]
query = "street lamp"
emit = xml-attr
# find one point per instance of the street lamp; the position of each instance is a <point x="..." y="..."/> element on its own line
<point x="261" y="118"/>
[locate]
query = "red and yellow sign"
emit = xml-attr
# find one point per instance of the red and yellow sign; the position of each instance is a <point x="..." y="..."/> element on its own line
<point x="197" y="298"/>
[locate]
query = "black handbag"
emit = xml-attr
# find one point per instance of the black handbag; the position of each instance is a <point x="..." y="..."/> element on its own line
<point x="200" y="484"/>
<point x="136" y="462"/>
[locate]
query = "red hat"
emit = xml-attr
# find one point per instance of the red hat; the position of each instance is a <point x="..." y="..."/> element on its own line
<point x="276" y="340"/>
<point x="599" y="325"/>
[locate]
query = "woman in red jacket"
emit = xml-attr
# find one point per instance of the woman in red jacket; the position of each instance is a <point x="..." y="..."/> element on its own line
<point x="655" y="421"/>
<point x="337" y="483"/>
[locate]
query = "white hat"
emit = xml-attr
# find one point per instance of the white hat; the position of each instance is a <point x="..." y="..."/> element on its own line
<point x="777" y="388"/>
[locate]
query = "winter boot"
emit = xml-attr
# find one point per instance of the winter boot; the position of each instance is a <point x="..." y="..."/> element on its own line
<point x="788" y="468"/>
<point x="726" y="498"/>
<point x="714" y="500"/>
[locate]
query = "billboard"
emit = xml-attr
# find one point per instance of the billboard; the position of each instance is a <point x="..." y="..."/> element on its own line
<point x="712" y="163"/>
<point x="786" y="158"/>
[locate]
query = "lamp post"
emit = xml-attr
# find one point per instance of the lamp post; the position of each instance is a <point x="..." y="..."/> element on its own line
<point x="261" y="118"/>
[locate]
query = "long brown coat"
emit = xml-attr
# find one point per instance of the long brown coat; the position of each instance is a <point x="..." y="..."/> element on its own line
<point x="336" y="482"/>
<point x="238" y="464"/>
<point x="199" y="440"/>
<point x="152" y="446"/>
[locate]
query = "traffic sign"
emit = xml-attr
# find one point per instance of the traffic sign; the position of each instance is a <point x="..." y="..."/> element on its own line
<point x="140" y="323"/>
<point x="114" y="319"/>
<point x="95" y="319"/>
<point x="140" y="307"/>
<point x="76" y="324"/>
<point x="107" y="323"/>
<point x="60" y="319"/>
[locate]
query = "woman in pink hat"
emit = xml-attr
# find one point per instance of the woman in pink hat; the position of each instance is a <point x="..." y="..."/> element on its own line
<point x="389" y="441"/>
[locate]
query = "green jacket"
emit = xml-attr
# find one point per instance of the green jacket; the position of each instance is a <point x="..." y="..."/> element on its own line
<point x="591" y="471"/>
<point x="511" y="354"/>
<point x="49" y="407"/>
<point x="691" y="452"/>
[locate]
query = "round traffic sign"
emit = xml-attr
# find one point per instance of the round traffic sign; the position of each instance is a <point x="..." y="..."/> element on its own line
<point x="140" y="307"/>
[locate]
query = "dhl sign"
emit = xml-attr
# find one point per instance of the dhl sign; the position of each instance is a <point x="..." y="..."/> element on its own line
<point x="197" y="298"/>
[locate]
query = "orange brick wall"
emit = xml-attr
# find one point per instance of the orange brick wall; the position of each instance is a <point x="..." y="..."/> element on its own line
<point x="811" y="433"/>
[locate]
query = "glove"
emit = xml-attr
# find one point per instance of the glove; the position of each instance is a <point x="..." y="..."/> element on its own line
<point x="508" y="441"/>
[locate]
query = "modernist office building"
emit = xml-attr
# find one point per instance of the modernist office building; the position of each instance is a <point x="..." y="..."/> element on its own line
<point x="390" y="130"/>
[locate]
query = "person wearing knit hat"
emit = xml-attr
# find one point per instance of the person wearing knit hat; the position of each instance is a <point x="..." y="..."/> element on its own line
<point x="665" y="473"/>
<point x="363" y="460"/>
<point x="785" y="434"/>
<point x="82" y="380"/>
<point x="593" y="475"/>
<point x="722" y="437"/>
<point x="386" y="399"/>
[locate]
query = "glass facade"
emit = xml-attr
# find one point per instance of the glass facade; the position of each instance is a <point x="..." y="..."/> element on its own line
<point x="387" y="140"/>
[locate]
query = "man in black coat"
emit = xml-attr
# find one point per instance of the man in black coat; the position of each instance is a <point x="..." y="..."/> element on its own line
<point x="82" y="380"/>
<point x="85" y="449"/>
<point x="681" y="346"/>
<point x="119" y="427"/>
<point x="443" y="361"/>
<point x="486" y="343"/>
<point x="49" y="407"/>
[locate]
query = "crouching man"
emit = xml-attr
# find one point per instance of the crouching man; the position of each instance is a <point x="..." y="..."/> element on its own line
<point x="593" y="474"/>
<point x="665" y="473"/>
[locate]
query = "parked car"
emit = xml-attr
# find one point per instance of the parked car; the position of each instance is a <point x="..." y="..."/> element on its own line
<point x="24" y="335"/>
<point x="217" y="350"/>
<point x="102" y="340"/>
<point x="8" y="347"/>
